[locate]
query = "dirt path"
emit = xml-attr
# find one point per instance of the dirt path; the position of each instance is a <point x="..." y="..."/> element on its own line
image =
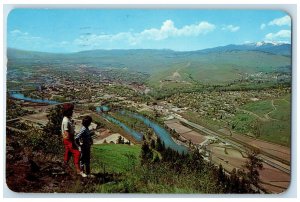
<point x="266" y="116"/>
<point x="274" y="109"/>
<point x="253" y="114"/>
<point x="161" y="84"/>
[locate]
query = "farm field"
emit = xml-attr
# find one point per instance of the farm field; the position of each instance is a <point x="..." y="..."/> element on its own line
<point x="270" y="120"/>
<point x="230" y="158"/>
<point x="279" y="151"/>
<point x="187" y="133"/>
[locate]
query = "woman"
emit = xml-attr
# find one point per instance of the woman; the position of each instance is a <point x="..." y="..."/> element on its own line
<point x="68" y="131"/>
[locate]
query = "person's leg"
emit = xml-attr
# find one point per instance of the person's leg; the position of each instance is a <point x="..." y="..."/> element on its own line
<point x="68" y="147"/>
<point x="81" y="162"/>
<point x="87" y="162"/>
<point x="76" y="156"/>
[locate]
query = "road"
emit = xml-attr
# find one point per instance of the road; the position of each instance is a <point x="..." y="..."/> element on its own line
<point x="244" y="147"/>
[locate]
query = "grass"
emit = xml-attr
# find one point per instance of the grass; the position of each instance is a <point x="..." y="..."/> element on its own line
<point x="276" y="130"/>
<point x="283" y="110"/>
<point x="260" y="108"/>
<point x="123" y="160"/>
<point x="242" y="122"/>
<point x="133" y="123"/>
<point x="202" y="120"/>
<point x="114" y="158"/>
<point x="279" y="130"/>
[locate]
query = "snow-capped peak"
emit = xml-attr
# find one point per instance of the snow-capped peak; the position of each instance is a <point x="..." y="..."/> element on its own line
<point x="265" y="43"/>
<point x="274" y="43"/>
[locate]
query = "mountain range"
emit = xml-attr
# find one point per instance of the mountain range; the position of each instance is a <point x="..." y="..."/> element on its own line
<point x="215" y="64"/>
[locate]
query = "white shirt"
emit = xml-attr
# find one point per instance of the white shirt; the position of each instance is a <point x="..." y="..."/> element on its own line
<point x="67" y="125"/>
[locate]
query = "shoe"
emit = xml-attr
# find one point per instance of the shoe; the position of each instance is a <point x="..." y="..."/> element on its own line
<point x="82" y="174"/>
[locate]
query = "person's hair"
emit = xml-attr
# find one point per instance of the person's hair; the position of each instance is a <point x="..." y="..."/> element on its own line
<point x="86" y="121"/>
<point x="68" y="109"/>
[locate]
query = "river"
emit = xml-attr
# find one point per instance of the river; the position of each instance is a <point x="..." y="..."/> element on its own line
<point x="21" y="96"/>
<point x="161" y="132"/>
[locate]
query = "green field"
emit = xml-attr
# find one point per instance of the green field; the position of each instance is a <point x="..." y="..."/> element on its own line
<point x="242" y="122"/>
<point x="283" y="111"/>
<point x="114" y="158"/>
<point x="260" y="108"/>
<point x="276" y="128"/>
<point x="133" y="123"/>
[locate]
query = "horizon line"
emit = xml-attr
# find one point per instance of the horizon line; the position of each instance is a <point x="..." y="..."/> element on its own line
<point x="141" y="48"/>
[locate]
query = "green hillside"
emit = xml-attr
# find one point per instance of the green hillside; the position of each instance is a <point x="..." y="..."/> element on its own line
<point x="198" y="66"/>
<point x="222" y="67"/>
<point x="114" y="157"/>
<point x="269" y="120"/>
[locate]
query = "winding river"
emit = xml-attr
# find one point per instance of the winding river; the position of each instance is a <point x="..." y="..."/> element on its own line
<point x="133" y="133"/>
<point x="160" y="131"/>
<point x="21" y="96"/>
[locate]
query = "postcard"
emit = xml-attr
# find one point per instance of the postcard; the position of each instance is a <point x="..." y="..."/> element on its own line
<point x="151" y="101"/>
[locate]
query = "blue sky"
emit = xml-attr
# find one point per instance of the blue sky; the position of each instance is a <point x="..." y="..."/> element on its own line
<point x="70" y="30"/>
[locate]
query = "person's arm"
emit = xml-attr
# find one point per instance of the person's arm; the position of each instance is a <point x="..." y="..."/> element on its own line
<point x="66" y="134"/>
<point x="78" y="136"/>
<point x="65" y="130"/>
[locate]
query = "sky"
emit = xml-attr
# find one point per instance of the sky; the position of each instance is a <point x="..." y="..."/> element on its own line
<point x="73" y="30"/>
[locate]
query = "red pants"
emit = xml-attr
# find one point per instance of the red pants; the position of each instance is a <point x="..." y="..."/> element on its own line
<point x="70" y="149"/>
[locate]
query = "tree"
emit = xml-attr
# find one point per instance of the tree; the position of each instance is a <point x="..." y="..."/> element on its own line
<point x="253" y="165"/>
<point x="256" y="128"/>
<point x="146" y="153"/>
<point x="221" y="177"/>
<point x="152" y="144"/>
<point x="55" y="118"/>
<point x="159" y="145"/>
<point x="234" y="182"/>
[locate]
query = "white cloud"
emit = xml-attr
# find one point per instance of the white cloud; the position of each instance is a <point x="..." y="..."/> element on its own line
<point x="167" y="30"/>
<point x="230" y="28"/>
<point x="15" y="32"/>
<point x="27" y="41"/>
<point x="279" y="35"/>
<point x="17" y="35"/>
<point x="286" y="20"/>
<point x="262" y="26"/>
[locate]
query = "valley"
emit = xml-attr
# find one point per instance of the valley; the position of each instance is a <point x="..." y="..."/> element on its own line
<point x="224" y="103"/>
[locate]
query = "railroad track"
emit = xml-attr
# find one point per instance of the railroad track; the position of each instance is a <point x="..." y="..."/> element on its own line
<point x="244" y="147"/>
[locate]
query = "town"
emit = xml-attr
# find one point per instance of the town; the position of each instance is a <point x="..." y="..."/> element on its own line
<point x="223" y="124"/>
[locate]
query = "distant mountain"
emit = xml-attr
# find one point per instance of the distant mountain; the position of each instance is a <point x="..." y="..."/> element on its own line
<point x="268" y="47"/>
<point x="215" y="64"/>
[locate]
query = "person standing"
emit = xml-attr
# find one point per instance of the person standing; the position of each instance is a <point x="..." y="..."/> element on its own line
<point x="68" y="131"/>
<point x="84" y="141"/>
